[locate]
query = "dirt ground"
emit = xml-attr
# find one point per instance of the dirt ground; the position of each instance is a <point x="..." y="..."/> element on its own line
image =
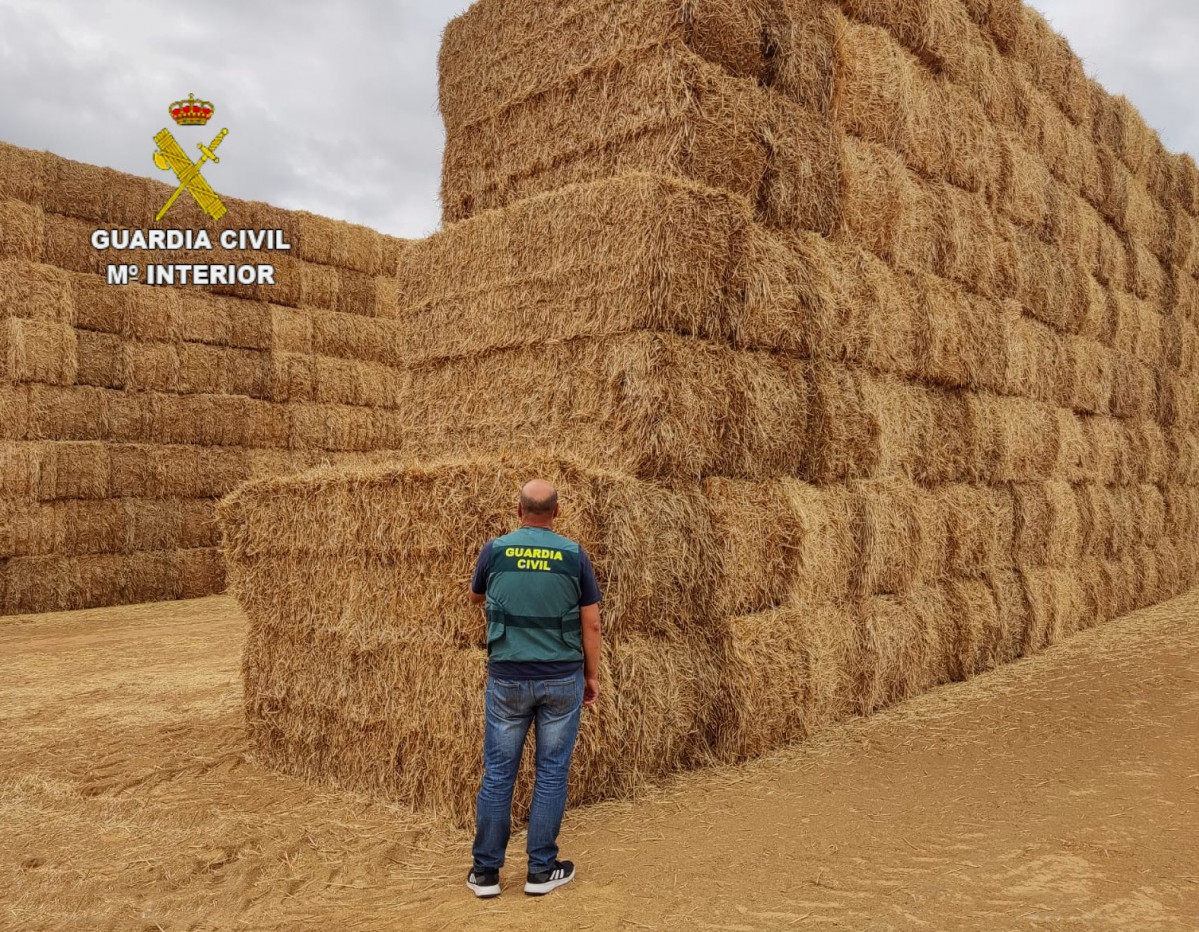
<point x="1060" y="792"/>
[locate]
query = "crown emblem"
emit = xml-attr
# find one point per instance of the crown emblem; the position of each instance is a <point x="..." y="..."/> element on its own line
<point x="191" y="112"/>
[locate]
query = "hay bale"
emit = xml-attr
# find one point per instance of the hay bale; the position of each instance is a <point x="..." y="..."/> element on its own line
<point x="1048" y="524"/>
<point x="703" y="125"/>
<point x="404" y="721"/>
<point x="816" y="646"/>
<point x="872" y="94"/>
<point x="980" y="528"/>
<point x="648" y="543"/>
<point x="660" y="411"/>
<point x="801" y="58"/>
<point x="1017" y="439"/>
<point x="780" y="542"/>
<point x="900" y="537"/>
<point x="1057" y="606"/>
<point x="64" y="528"/>
<point x="35" y="291"/>
<point x="905" y="647"/>
<point x="57" y="583"/>
<point x="1020" y="191"/>
<point x="22" y="173"/>
<point x="1034" y="356"/>
<point x="1055" y="288"/>
<point x="67" y="244"/>
<point x="961" y="340"/>
<point x="22" y="231"/>
<point x="33" y="350"/>
<point x="688" y="260"/>
<point x="504" y="50"/>
<point x="871" y="317"/>
<point x="201" y="572"/>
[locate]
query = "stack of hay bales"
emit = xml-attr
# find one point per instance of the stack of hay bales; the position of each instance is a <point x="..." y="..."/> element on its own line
<point x="127" y="411"/>
<point x="880" y="316"/>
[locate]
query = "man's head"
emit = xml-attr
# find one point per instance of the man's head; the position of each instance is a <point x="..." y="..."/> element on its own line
<point x="538" y="503"/>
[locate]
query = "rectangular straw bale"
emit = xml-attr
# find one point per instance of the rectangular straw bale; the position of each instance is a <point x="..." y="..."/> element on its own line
<point x="151" y="524"/>
<point x="980" y="527"/>
<point x="872" y="94"/>
<point x="978" y="635"/>
<point x="57" y="412"/>
<point x="649" y="544"/>
<point x="801" y="52"/>
<point x="56" y="583"/>
<point x="97" y="195"/>
<point x="1111" y="260"/>
<point x="201" y="369"/>
<point x="151" y="366"/>
<point x="205" y="318"/>
<point x="688" y="260"/>
<point x="966" y="245"/>
<point x="1147" y="279"/>
<point x="1094" y="376"/>
<point x="1182" y="511"/>
<point x="1018" y="438"/>
<point x="1134" y="390"/>
<point x="22" y="173"/>
<point x="661" y="408"/>
<point x="1056" y="606"/>
<point x="1177" y="402"/>
<point x="872" y="315"/>
<point x="352" y="336"/>
<point x="1020" y="190"/>
<point x="36" y="292"/>
<point x="34" y="350"/>
<point x="704" y="125"/>
<point x="247" y="372"/>
<point x="22" y="231"/>
<point x="879" y="200"/>
<point x="100" y="359"/>
<point x="780" y="542"/>
<point x="67" y="244"/>
<point x="497" y="52"/>
<point x="1056" y="286"/>
<point x="340" y="427"/>
<point x="900" y="537"/>
<point x="1049" y="521"/>
<point x="1075" y="460"/>
<point x="1013" y="616"/>
<point x="63" y="528"/>
<point x="1149" y="510"/>
<point x="1118" y="125"/>
<point x="420" y="745"/>
<point x="816" y="645"/>
<point x="201" y="572"/>
<point x="906" y="642"/>
<point x="962" y="340"/>
<point x="1182" y="456"/>
<point x="176" y="471"/>
<point x="1034" y="357"/>
<point x="801" y="187"/>
<point x="1148" y="457"/>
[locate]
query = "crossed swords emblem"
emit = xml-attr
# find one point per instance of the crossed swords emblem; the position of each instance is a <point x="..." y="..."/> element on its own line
<point x="170" y="155"/>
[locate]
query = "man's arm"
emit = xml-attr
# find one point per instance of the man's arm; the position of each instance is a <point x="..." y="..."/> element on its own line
<point x="477" y="592"/>
<point x="590" y="618"/>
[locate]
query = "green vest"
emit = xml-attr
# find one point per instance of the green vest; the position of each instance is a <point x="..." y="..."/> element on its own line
<point x="533" y="597"/>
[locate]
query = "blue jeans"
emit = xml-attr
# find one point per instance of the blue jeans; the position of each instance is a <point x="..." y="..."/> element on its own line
<point x="552" y="707"/>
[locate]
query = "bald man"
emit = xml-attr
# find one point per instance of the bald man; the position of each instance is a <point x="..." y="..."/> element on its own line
<point x="543" y="647"/>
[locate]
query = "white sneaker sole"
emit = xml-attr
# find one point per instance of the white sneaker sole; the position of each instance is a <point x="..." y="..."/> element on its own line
<point x="541" y="889"/>
<point x="484" y="892"/>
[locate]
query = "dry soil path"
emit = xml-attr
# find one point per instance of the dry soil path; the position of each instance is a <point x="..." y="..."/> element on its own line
<point x="1059" y="793"/>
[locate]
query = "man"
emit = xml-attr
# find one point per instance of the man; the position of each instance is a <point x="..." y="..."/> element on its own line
<point x="543" y="647"/>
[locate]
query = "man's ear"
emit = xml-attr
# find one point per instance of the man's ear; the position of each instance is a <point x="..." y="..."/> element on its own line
<point x="520" y="511"/>
<point x="557" y="510"/>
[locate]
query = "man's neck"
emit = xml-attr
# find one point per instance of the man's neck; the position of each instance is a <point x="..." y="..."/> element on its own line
<point x="544" y="527"/>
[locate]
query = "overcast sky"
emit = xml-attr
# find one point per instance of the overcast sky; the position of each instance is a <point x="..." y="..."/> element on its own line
<point x="332" y="106"/>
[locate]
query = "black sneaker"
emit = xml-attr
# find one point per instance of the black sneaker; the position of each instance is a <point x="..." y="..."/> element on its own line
<point x="543" y="882"/>
<point x="484" y="883"/>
